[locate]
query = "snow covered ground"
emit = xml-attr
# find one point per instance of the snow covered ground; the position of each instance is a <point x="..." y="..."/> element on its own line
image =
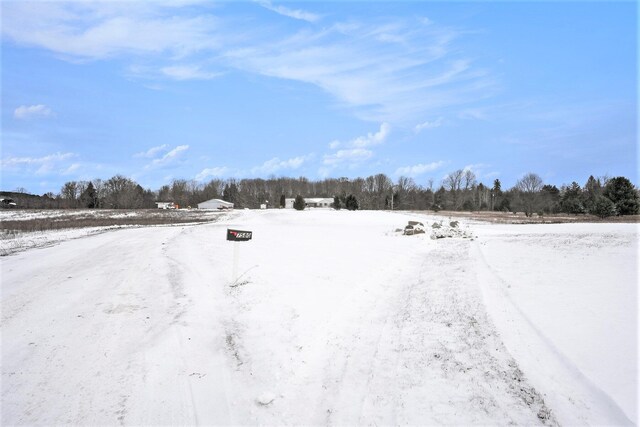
<point x="332" y="317"/>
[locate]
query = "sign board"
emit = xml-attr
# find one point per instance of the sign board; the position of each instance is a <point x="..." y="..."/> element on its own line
<point x="239" y="235"/>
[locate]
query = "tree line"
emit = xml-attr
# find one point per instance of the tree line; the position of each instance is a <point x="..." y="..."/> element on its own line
<point x="459" y="191"/>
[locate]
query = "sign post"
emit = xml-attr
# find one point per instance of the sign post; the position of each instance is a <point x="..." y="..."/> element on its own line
<point x="236" y="236"/>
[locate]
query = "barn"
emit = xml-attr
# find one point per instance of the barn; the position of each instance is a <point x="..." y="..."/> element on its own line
<point x="215" y="204"/>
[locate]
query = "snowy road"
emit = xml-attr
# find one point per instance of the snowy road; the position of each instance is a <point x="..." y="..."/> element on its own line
<point x="335" y="319"/>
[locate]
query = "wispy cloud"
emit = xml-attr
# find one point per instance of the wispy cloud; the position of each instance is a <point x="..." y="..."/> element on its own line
<point x="39" y="165"/>
<point x="429" y="125"/>
<point x="71" y="169"/>
<point x="392" y="70"/>
<point x="152" y="152"/>
<point x="168" y="158"/>
<point x="29" y="111"/>
<point x="188" y="72"/>
<point x="89" y="30"/>
<point x="419" y="169"/>
<point x="380" y="81"/>
<point x="353" y="156"/>
<point x="291" y="13"/>
<point x="275" y="165"/>
<point x="212" y="173"/>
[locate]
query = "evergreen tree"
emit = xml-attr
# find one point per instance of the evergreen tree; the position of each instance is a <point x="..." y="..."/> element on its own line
<point x="497" y="186"/>
<point x="603" y="207"/>
<point x="496" y="195"/>
<point x="337" y="204"/>
<point x="351" y="203"/>
<point x="572" y="199"/>
<point x="283" y="201"/>
<point x="230" y="192"/>
<point x="592" y="189"/>
<point x="299" y="203"/>
<point x="89" y="197"/>
<point x="623" y="194"/>
<point x="439" y="199"/>
<point x="550" y="199"/>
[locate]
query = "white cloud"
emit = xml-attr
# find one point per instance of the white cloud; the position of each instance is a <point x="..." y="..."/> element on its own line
<point x="356" y="150"/>
<point x="169" y="157"/>
<point x="419" y="169"/>
<point x="291" y="13"/>
<point x="27" y="111"/>
<point x="38" y="165"/>
<point x="473" y="114"/>
<point x="378" y="80"/>
<point x="71" y="169"/>
<point x="353" y="155"/>
<point x="275" y="164"/>
<point x="99" y="30"/>
<point x="475" y="167"/>
<point x="188" y="72"/>
<point x="16" y="161"/>
<point x="429" y="125"/>
<point x="152" y="152"/>
<point x="372" y="138"/>
<point x="212" y="172"/>
<point x="394" y="70"/>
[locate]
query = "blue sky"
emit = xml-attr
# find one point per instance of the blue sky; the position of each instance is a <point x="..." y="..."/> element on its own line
<point x="182" y="89"/>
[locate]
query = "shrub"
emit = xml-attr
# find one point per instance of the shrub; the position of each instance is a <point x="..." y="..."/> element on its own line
<point x="351" y="203"/>
<point x="299" y="203"/>
<point x="337" y="204"/>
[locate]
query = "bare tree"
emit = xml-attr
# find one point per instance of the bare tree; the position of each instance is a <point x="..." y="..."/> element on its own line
<point x="529" y="187"/>
<point x="70" y="193"/>
<point x="469" y="179"/>
<point x="453" y="183"/>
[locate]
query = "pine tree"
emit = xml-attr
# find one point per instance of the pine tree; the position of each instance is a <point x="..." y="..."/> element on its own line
<point x="298" y="203"/>
<point x="89" y="197"/>
<point x="351" y="203"/>
<point x="283" y="201"/>
<point x="603" y="207"/>
<point x="337" y="204"/>
<point x="623" y="194"/>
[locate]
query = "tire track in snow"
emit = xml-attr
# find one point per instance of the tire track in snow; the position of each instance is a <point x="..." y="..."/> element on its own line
<point x="590" y="401"/>
<point x="432" y="357"/>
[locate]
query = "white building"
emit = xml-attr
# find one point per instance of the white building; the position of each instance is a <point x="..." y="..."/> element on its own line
<point x="215" y="204"/>
<point x="311" y="202"/>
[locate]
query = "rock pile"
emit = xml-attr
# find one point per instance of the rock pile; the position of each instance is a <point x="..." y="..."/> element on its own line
<point x="453" y="230"/>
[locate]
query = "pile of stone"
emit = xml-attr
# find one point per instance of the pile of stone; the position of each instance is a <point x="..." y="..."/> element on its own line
<point x="414" y="227"/>
<point x="452" y="230"/>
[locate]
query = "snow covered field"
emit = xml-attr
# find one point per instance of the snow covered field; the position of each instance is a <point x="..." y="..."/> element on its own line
<point x="333" y="318"/>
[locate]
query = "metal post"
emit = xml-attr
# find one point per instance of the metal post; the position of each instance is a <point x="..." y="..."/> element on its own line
<point x="236" y="255"/>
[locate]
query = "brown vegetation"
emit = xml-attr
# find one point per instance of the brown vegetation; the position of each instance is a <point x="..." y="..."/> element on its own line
<point x="521" y="218"/>
<point x="36" y="220"/>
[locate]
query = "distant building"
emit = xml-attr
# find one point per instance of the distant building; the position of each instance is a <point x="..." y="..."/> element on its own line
<point x="215" y="204"/>
<point x="311" y="202"/>
<point x="166" y="205"/>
